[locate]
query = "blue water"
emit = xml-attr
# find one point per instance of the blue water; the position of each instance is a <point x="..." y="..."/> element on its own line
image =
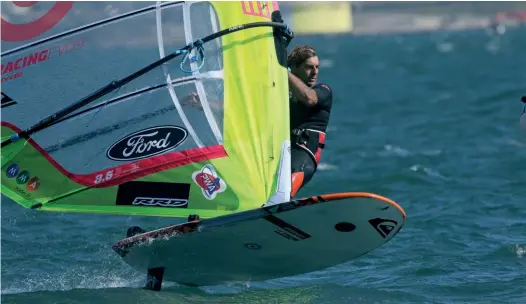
<point x="429" y="120"/>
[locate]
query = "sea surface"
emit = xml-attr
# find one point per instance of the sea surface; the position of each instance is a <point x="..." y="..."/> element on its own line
<point x="430" y="120"/>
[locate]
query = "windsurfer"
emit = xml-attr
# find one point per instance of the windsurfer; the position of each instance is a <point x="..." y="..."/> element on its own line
<point x="310" y="108"/>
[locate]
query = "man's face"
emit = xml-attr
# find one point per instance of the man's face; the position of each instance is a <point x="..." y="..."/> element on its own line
<point x="308" y="71"/>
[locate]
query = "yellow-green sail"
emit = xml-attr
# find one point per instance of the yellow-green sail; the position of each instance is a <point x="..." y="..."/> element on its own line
<point x="194" y="136"/>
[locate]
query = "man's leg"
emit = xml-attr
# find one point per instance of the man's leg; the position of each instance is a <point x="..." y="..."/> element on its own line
<point x="297" y="182"/>
<point x="303" y="169"/>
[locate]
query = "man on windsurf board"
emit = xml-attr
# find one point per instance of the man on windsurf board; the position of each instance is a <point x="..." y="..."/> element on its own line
<point x="310" y="109"/>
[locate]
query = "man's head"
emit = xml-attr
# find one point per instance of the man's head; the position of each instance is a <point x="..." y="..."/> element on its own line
<point x="304" y="63"/>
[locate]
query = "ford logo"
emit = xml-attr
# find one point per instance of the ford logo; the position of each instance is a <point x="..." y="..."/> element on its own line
<point x="147" y="143"/>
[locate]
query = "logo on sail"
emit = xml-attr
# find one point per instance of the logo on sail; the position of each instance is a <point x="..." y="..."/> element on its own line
<point x="209" y="182"/>
<point x="12" y="170"/>
<point x="147" y="143"/>
<point x="153" y="194"/>
<point x="22" y="178"/>
<point x="161" y="202"/>
<point x="14" y="32"/>
<point x="259" y="8"/>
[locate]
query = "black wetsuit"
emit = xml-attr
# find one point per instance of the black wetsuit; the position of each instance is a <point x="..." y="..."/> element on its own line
<point x="313" y="118"/>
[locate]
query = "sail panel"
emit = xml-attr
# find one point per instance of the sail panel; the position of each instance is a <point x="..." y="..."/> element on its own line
<point x="85" y="60"/>
<point x="205" y="138"/>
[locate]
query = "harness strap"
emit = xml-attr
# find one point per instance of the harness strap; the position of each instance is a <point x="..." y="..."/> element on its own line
<point x="312" y="141"/>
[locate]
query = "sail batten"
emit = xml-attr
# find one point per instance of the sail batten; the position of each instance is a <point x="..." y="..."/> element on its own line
<point x="166" y="142"/>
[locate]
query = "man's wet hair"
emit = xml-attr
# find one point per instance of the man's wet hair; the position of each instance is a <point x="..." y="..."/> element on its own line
<point x="299" y="54"/>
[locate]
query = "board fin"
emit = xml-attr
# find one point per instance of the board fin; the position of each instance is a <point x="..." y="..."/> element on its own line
<point x="154" y="279"/>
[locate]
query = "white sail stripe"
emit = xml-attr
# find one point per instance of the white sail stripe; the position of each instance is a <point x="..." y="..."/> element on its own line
<point x="169" y="86"/>
<point x="199" y="85"/>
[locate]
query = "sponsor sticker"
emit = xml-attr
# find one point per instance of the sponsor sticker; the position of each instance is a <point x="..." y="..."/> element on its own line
<point x="161" y="202"/>
<point x="147" y="143"/>
<point x="33" y="184"/>
<point x="153" y="194"/>
<point x="12" y="170"/>
<point x="23" y="177"/>
<point x="209" y="181"/>
<point x="383" y="226"/>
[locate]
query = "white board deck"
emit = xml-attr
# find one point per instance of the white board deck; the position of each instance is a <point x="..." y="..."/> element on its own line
<point x="272" y="242"/>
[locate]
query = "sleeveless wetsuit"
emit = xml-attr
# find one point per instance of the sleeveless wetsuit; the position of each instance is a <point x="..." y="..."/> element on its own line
<point x="308" y="126"/>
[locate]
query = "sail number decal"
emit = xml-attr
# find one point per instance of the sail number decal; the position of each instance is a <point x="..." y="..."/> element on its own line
<point x="147" y="143"/>
<point x="14" y="32"/>
<point x="103" y="177"/>
<point x="259" y="8"/>
<point x="115" y="173"/>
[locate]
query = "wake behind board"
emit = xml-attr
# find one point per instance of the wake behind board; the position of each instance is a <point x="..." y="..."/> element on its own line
<point x="292" y="238"/>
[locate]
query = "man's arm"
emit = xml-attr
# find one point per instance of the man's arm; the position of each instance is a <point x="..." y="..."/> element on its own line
<point x="302" y="92"/>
